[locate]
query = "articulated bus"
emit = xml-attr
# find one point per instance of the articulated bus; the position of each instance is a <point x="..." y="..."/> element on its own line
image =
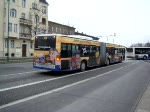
<point x="138" y="53"/>
<point x="115" y="53"/>
<point x="72" y="52"/>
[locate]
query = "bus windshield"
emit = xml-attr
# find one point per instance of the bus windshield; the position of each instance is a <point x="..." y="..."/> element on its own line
<point x="45" y="42"/>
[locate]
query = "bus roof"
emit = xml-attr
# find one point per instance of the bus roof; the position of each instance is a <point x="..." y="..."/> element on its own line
<point x="53" y="34"/>
<point x="114" y="45"/>
<point x="138" y="47"/>
<point x="80" y="37"/>
<point x="72" y="36"/>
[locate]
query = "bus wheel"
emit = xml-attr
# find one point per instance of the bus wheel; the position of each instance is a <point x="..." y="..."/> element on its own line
<point x="108" y="62"/>
<point x="83" y="66"/>
<point x="145" y="57"/>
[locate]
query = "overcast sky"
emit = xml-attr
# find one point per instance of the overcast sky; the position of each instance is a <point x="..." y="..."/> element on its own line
<point x="129" y="19"/>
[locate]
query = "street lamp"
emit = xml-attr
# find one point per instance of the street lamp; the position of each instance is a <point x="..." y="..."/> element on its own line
<point x="8" y="34"/>
<point x="108" y="36"/>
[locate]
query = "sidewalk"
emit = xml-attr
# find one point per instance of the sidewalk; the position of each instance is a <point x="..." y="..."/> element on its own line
<point x="144" y="104"/>
<point x="3" y="60"/>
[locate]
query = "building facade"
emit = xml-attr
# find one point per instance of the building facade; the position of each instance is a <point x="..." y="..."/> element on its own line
<point x="20" y="21"/>
<point x="60" y="28"/>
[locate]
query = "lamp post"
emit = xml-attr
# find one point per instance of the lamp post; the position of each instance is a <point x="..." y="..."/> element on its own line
<point x="108" y="36"/>
<point x="114" y="37"/>
<point x="8" y="34"/>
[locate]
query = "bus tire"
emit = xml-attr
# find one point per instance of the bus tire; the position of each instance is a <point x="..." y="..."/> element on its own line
<point x="83" y="66"/>
<point x="144" y="57"/>
<point x="108" y="62"/>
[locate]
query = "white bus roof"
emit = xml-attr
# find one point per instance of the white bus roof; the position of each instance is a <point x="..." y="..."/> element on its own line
<point x="138" y="47"/>
<point x="72" y="36"/>
<point x="53" y="34"/>
<point x="80" y="37"/>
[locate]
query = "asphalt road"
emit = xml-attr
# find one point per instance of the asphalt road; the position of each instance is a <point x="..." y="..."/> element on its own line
<point x="115" y="88"/>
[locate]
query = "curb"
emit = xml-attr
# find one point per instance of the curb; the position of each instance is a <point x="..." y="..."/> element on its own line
<point x="15" y="61"/>
<point x="144" y="103"/>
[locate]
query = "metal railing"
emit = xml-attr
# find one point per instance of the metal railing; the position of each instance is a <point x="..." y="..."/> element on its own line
<point x="25" y="35"/>
<point x="25" y="21"/>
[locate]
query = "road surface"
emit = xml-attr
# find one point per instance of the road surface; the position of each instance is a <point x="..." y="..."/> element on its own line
<point x="114" y="88"/>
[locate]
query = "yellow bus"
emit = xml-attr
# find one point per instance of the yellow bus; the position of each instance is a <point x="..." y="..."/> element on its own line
<point x="67" y="52"/>
<point x="115" y="53"/>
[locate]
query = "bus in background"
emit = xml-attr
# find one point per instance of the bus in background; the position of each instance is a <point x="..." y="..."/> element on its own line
<point x="115" y="53"/>
<point x="68" y="52"/>
<point x="120" y="51"/>
<point x="138" y="52"/>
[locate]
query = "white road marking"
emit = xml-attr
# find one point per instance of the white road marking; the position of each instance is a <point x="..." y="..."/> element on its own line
<point x="126" y="61"/>
<point x="58" y="89"/>
<point x="19" y="86"/>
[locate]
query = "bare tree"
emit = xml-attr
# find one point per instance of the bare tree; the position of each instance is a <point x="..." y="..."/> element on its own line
<point x="141" y="44"/>
<point x="37" y="15"/>
<point x="147" y="44"/>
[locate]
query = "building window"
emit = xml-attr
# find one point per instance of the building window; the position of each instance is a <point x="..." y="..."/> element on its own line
<point x="56" y="29"/>
<point x="23" y="15"/>
<point x="4" y="12"/>
<point x="63" y="30"/>
<point x="14" y="1"/>
<point x="12" y="43"/>
<point x="23" y="3"/>
<point x="44" y="10"/>
<point x="6" y="44"/>
<point x="15" y="28"/>
<point x="31" y="44"/>
<point x="49" y="30"/>
<point x="52" y="29"/>
<point x="34" y="5"/>
<point x="23" y="29"/>
<point x="44" y="21"/>
<point x="4" y="27"/>
<point x="13" y="13"/>
<point x="10" y="27"/>
<point x="60" y="30"/>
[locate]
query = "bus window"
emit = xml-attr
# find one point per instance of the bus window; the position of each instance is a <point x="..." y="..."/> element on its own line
<point x="69" y="50"/>
<point x="44" y="43"/>
<point x="85" y="50"/>
<point x="94" y="49"/>
<point x="65" y="50"/>
<point x="112" y="51"/>
<point x="130" y="50"/>
<point x="75" y="49"/>
<point x="138" y="51"/>
<point x="116" y="51"/>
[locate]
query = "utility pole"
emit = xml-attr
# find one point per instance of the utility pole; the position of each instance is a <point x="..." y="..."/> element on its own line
<point x="8" y="34"/>
<point x="36" y="17"/>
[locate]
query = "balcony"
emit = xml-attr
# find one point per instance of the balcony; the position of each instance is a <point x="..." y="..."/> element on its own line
<point x="25" y="21"/>
<point x="25" y="35"/>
